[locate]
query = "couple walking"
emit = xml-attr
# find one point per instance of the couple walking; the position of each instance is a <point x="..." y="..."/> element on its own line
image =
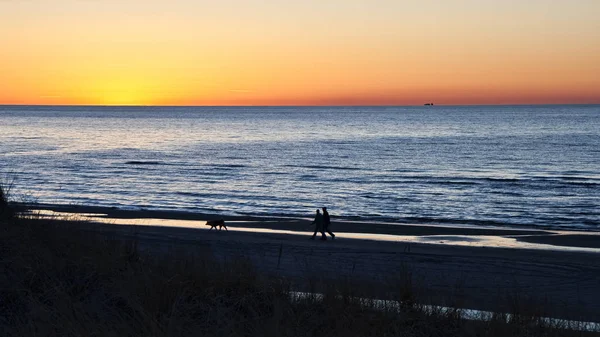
<point x="322" y="222"/>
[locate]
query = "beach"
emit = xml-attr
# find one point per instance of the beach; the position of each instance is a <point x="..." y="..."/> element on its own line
<point x="475" y="268"/>
<point x="300" y="168"/>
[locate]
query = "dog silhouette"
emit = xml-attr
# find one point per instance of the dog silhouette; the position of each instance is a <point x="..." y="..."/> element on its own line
<point x="215" y="223"/>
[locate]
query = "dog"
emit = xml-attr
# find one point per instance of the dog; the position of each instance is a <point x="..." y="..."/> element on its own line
<point x="215" y="223"/>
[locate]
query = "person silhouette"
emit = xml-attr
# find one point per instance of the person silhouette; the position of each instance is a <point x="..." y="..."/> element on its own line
<point x="318" y="222"/>
<point x="326" y="223"/>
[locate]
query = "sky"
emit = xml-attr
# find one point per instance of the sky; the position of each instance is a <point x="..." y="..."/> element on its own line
<point x="299" y="52"/>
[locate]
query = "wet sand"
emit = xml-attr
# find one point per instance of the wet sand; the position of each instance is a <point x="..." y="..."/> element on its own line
<point x="565" y="240"/>
<point x="563" y="283"/>
<point x="367" y="226"/>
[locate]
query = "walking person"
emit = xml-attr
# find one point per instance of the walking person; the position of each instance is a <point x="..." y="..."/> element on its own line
<point x="318" y="222"/>
<point x="326" y="223"/>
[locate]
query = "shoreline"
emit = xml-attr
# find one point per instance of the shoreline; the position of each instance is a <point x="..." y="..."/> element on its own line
<point x="542" y="236"/>
<point x="142" y="213"/>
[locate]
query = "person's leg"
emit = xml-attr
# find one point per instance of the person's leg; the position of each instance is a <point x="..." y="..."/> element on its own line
<point x="315" y="233"/>
<point x="330" y="233"/>
<point x="323" y="236"/>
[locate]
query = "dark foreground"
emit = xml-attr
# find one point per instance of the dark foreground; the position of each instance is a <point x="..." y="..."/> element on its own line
<point x="565" y="283"/>
<point x="72" y="279"/>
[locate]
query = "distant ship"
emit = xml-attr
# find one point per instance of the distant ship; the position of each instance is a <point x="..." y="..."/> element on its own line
<point x="428" y="104"/>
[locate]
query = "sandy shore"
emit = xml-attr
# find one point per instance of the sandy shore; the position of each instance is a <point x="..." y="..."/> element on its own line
<point x="564" y="283"/>
<point x="369" y="226"/>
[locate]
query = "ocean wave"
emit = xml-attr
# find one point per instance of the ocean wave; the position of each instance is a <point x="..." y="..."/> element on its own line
<point x="228" y="165"/>
<point x="326" y="167"/>
<point x="144" y="162"/>
<point x="445" y="180"/>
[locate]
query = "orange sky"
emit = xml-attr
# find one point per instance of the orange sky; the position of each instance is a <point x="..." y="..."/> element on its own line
<point x="251" y="52"/>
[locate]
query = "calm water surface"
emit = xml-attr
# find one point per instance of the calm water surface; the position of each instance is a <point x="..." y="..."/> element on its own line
<point x="509" y="165"/>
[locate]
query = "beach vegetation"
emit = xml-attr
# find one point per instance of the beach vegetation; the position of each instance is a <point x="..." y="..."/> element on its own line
<point x="6" y="210"/>
<point x="58" y="278"/>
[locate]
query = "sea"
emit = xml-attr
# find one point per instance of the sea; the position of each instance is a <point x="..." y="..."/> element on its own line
<point x="457" y="165"/>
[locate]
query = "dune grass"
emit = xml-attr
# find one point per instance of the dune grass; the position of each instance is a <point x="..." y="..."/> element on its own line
<point x="59" y="280"/>
<point x="6" y="211"/>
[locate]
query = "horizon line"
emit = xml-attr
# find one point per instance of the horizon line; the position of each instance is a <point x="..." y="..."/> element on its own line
<point x="295" y="106"/>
